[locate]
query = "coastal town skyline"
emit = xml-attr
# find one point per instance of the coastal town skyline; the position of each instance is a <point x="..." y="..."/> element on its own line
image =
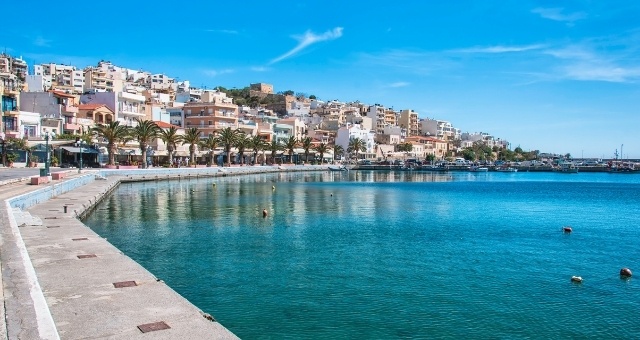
<point x="550" y="82"/>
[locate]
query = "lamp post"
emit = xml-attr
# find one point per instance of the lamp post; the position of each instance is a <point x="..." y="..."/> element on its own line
<point x="4" y="151"/>
<point x="79" y="143"/>
<point x="47" y="135"/>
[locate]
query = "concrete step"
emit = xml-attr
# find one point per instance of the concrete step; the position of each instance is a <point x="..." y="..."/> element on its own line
<point x="24" y="218"/>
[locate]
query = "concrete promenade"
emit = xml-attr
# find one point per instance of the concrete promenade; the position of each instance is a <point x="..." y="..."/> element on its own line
<point x="60" y="280"/>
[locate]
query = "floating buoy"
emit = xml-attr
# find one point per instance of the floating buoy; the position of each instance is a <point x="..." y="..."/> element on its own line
<point x="214" y="184"/>
<point x="567" y="229"/>
<point x="625" y="272"/>
<point x="264" y="213"/>
<point x="273" y="187"/>
<point x="576" y="279"/>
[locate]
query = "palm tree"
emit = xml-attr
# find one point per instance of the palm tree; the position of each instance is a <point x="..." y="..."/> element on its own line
<point x="256" y="143"/>
<point x="227" y="138"/>
<point x="113" y="133"/>
<point x="306" y="145"/>
<point x="322" y="148"/>
<point x="274" y="147"/>
<point x="171" y="138"/>
<point x="337" y="150"/>
<point x="144" y="132"/>
<point x="211" y="143"/>
<point x="242" y="142"/>
<point x="289" y="145"/>
<point x="191" y="137"/>
<point x="356" y="145"/>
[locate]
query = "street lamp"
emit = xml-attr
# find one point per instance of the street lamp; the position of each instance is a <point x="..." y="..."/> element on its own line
<point x="48" y="135"/>
<point x="4" y="151"/>
<point x="80" y="143"/>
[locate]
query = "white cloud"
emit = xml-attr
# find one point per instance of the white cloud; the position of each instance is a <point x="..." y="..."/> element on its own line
<point x="307" y="39"/>
<point x="583" y="63"/>
<point x="259" y="69"/>
<point x="556" y="14"/>
<point x="214" y="73"/>
<point x="499" y="49"/>
<point x="399" y="84"/>
<point x="42" y="42"/>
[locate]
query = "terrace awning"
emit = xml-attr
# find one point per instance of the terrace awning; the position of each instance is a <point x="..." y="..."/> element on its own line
<point x="73" y="149"/>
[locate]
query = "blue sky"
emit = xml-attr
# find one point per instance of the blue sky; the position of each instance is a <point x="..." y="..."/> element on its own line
<point x="555" y="76"/>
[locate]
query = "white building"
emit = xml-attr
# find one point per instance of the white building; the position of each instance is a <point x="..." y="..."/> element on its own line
<point x="346" y="133"/>
<point x="64" y="78"/>
<point x="439" y="129"/>
<point x="126" y="106"/>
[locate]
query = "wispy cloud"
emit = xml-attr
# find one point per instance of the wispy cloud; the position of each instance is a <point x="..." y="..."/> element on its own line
<point x="399" y="84"/>
<point x="215" y="73"/>
<point x="42" y="42"/>
<point x="499" y="49"/>
<point x="307" y="39"/>
<point x="259" y="69"/>
<point x="557" y="15"/>
<point x="223" y="31"/>
<point x="582" y="62"/>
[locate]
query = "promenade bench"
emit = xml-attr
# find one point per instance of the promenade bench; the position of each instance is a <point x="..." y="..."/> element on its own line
<point x="39" y="180"/>
<point x="58" y="175"/>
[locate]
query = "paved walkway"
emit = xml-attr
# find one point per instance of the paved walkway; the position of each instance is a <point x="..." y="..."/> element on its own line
<point x="88" y="289"/>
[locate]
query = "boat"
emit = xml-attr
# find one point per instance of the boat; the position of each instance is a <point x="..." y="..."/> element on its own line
<point x="507" y="169"/>
<point x="338" y="168"/>
<point x="566" y="168"/>
<point x="478" y="169"/>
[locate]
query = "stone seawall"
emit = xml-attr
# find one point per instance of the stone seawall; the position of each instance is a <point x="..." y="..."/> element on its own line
<point x="59" y="277"/>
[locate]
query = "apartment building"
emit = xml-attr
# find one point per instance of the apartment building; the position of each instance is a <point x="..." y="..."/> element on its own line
<point x="58" y="110"/>
<point x="58" y="77"/>
<point x="126" y="106"/>
<point x="377" y="114"/>
<point x="439" y="129"/>
<point x="105" y="77"/>
<point x="408" y="119"/>
<point x="213" y="115"/>
<point x="346" y="133"/>
<point x="431" y="145"/>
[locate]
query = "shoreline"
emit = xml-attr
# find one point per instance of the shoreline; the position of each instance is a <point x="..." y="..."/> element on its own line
<point x="59" y="277"/>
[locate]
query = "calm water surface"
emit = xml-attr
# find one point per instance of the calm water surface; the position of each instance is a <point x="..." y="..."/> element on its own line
<point x="383" y="255"/>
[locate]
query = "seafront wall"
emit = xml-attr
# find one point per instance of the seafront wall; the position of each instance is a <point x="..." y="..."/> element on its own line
<point x="27" y="310"/>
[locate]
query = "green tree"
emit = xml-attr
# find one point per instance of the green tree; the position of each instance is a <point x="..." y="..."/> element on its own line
<point x="306" y="143"/>
<point x="242" y="143"/>
<point x="431" y="157"/>
<point x="210" y="143"/>
<point x="113" y="133"/>
<point x="144" y="132"/>
<point x="191" y="137"/>
<point x="322" y="148"/>
<point x="227" y="139"/>
<point x="256" y="143"/>
<point x="356" y="145"/>
<point x="274" y="147"/>
<point x="312" y="97"/>
<point x="171" y="138"/>
<point x="289" y="145"/>
<point x="337" y="150"/>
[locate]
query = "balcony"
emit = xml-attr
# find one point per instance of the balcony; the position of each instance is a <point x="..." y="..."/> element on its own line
<point x="12" y="134"/>
<point x="70" y="126"/>
<point x="70" y="109"/>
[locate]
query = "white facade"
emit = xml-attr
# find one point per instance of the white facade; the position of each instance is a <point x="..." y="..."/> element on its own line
<point x="439" y="129"/>
<point x="61" y="77"/>
<point x="346" y="133"/>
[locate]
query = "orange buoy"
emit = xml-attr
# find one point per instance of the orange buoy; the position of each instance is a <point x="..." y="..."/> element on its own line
<point x="567" y="229"/>
<point x="625" y="272"/>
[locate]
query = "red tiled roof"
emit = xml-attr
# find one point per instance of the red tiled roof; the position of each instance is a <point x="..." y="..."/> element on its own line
<point x="164" y="125"/>
<point x="62" y="94"/>
<point x="89" y="106"/>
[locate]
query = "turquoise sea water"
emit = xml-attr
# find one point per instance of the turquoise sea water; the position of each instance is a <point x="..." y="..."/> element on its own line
<point x="384" y="255"/>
